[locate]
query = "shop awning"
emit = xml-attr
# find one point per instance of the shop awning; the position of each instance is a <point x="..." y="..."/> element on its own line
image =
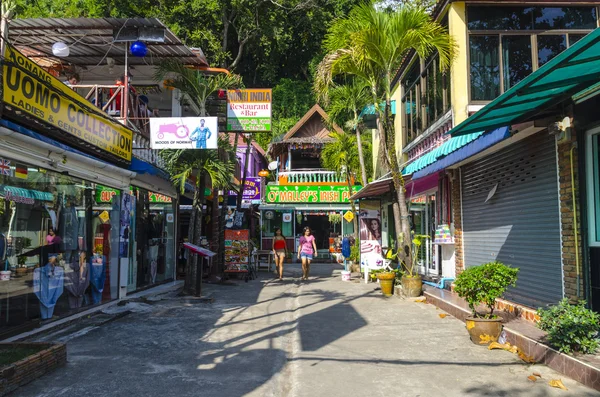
<point x="446" y="158"/>
<point x="26" y="193"/>
<point x="306" y="207"/>
<point x="375" y="188"/>
<point x="572" y="71"/>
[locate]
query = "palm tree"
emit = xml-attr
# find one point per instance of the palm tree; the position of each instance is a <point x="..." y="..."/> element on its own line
<point x="341" y="156"/>
<point x="371" y="44"/>
<point x="346" y="102"/>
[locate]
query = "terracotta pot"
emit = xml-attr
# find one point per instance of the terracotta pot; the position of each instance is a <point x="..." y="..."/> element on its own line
<point x="483" y="331"/>
<point x="412" y="286"/>
<point x="21" y="271"/>
<point x="386" y="280"/>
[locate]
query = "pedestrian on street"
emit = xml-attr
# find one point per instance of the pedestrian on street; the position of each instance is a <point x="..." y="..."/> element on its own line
<point x="307" y="251"/>
<point x="280" y="251"/>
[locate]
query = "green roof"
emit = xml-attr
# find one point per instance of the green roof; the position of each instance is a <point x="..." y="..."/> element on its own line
<point x="570" y="72"/>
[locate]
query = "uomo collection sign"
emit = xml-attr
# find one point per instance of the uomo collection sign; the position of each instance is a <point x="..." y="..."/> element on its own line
<point x="308" y="194"/>
<point x="32" y="90"/>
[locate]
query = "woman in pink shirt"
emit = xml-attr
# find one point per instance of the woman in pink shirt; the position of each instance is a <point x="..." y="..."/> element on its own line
<point x="307" y="251"/>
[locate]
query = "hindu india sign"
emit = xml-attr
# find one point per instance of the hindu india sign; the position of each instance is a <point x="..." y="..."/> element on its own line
<point x="31" y="89"/>
<point x="308" y="194"/>
<point x="249" y="110"/>
<point x="184" y="132"/>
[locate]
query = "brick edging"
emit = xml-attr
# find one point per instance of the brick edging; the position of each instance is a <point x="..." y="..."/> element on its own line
<point x="31" y="367"/>
<point x="580" y="371"/>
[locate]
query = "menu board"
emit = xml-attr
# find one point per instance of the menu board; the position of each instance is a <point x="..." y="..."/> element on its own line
<point x="236" y="251"/>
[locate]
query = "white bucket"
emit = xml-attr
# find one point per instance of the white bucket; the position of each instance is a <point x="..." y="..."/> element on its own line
<point x="345" y="275"/>
<point x="5" y="275"/>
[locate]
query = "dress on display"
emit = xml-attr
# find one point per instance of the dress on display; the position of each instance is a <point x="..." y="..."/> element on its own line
<point x="77" y="279"/>
<point x="48" y="287"/>
<point x="153" y="258"/>
<point x="97" y="277"/>
<point x="69" y="228"/>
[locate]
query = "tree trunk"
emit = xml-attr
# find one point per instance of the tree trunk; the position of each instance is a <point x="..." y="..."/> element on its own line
<point x="244" y="172"/>
<point x="361" y="159"/>
<point x="353" y="207"/>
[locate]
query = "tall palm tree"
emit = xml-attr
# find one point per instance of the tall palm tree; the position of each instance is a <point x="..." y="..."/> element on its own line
<point x="341" y="156"/>
<point x="371" y="44"/>
<point x="345" y="104"/>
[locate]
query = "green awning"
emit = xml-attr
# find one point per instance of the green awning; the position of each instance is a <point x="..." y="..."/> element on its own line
<point x="570" y="72"/>
<point x="26" y="193"/>
<point x="444" y="149"/>
<point x="369" y="110"/>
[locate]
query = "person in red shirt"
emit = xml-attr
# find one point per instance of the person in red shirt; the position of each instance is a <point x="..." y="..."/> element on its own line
<point x="280" y="251"/>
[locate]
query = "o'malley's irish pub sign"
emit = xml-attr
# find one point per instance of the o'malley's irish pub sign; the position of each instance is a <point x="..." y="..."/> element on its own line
<point x="31" y="89"/>
<point x="308" y="194"/>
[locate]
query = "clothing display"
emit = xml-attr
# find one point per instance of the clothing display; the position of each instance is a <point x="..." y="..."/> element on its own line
<point x="97" y="277"/>
<point x="69" y="228"/>
<point x="153" y="258"/>
<point x="77" y="279"/>
<point x="48" y="287"/>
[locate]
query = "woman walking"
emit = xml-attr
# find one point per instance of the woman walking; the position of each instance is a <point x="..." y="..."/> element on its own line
<point x="280" y="251"/>
<point x="307" y="251"/>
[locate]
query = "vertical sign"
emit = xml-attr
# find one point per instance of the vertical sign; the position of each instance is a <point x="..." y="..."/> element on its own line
<point x="236" y="251"/>
<point x="249" y="110"/>
<point x="370" y="235"/>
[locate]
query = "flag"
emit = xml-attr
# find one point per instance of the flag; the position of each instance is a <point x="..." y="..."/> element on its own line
<point x="21" y="171"/>
<point x="4" y="167"/>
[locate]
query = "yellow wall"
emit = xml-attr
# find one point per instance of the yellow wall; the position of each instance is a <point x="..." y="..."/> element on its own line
<point x="459" y="71"/>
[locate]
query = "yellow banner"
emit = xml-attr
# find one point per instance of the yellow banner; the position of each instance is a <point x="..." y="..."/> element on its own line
<point x="31" y="89"/>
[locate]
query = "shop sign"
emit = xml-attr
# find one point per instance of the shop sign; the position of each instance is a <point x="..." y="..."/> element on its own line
<point x="104" y="194"/>
<point x="159" y="198"/>
<point x="349" y="216"/>
<point x="307" y="194"/>
<point x="371" y="253"/>
<point x="10" y="196"/>
<point x="251" y="189"/>
<point x="249" y="110"/>
<point x="34" y="91"/>
<point x="184" y="132"/>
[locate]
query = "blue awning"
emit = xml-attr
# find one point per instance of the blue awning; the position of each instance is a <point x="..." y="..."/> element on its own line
<point x="447" y="157"/>
<point x="370" y="109"/>
<point x="142" y="167"/>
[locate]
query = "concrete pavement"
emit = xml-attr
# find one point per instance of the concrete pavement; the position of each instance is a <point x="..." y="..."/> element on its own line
<point x="323" y="337"/>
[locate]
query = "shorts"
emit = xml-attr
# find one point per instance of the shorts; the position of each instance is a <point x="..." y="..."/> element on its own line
<point x="307" y="256"/>
<point x="280" y="252"/>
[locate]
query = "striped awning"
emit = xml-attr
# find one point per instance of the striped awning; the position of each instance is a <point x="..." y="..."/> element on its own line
<point x="26" y="193"/>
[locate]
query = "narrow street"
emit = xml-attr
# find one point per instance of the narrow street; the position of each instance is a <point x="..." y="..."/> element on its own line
<point x="323" y="337"/>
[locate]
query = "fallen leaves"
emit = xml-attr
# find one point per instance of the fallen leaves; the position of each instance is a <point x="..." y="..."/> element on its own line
<point x="442" y="315"/>
<point x="532" y="378"/>
<point x="525" y="357"/>
<point x="486" y="339"/>
<point x="421" y="300"/>
<point x="558" y="384"/>
<point x="537" y="374"/>
<point x="506" y="346"/>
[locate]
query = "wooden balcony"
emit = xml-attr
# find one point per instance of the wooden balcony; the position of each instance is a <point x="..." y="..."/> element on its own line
<point x="312" y="177"/>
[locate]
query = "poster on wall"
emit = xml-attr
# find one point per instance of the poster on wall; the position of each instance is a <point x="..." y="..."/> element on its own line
<point x="127" y="201"/>
<point x="249" y="110"/>
<point x="184" y="132"/>
<point x="236" y="251"/>
<point x="371" y="254"/>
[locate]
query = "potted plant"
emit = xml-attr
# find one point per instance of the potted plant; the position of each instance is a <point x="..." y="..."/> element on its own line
<point x="483" y="285"/>
<point x="21" y="269"/>
<point x="386" y="280"/>
<point x="412" y="284"/>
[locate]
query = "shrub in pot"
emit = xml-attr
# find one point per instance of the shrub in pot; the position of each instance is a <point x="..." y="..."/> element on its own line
<point x="571" y="328"/>
<point x="483" y="285"/>
<point x="412" y="284"/>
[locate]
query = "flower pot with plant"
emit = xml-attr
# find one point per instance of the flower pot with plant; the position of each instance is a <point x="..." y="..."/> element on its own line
<point x="483" y="285"/>
<point x="412" y="284"/>
<point x="21" y="268"/>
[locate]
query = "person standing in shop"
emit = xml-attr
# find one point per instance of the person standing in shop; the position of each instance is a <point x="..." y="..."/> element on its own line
<point x="307" y="251"/>
<point x="280" y="251"/>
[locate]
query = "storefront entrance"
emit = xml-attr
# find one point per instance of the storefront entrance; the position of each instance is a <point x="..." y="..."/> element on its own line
<point x="324" y="225"/>
<point x="423" y="218"/>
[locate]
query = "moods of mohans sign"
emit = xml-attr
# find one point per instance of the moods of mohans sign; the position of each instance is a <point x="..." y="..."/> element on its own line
<point x="184" y="132"/>
<point x="249" y="110"/>
<point x="34" y="91"/>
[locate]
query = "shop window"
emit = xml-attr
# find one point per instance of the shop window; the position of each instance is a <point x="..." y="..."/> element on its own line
<point x="574" y="38"/>
<point x="550" y="46"/>
<point x="530" y="18"/>
<point x="485" y="67"/>
<point x="594" y="187"/>
<point x="516" y="58"/>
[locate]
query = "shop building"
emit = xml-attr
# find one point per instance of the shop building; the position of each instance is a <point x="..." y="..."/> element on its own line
<point x="487" y="167"/>
<point x="86" y="212"/>
<point x="304" y="194"/>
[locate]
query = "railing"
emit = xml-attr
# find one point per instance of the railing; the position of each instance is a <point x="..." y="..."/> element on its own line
<point x="311" y="176"/>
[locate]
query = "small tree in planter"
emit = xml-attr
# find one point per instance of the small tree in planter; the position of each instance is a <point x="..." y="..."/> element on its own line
<point x="483" y="285"/>
<point x="411" y="281"/>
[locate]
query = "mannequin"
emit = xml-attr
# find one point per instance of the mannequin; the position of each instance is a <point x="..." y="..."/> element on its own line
<point x="48" y="286"/>
<point x="97" y="277"/>
<point x="77" y="279"/>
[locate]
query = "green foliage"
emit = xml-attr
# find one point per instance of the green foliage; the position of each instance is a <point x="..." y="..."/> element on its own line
<point x="341" y="155"/>
<point x="485" y="283"/>
<point x="417" y="242"/>
<point x="355" y="253"/>
<point x="571" y="328"/>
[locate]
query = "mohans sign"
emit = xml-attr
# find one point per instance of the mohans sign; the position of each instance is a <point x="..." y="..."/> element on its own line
<point x="249" y="110"/>
<point x="32" y="90"/>
<point x="184" y="132"/>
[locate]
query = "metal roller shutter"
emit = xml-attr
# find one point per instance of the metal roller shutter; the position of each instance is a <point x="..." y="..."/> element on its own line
<point x="520" y="224"/>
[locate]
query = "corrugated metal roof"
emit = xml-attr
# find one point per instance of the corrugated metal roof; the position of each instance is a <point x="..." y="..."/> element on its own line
<point x="90" y="41"/>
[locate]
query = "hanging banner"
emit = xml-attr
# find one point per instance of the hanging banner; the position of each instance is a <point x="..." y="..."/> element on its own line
<point x="184" y="132"/>
<point x="236" y="251"/>
<point x="371" y="255"/>
<point x="32" y="90"/>
<point x="308" y="194"/>
<point x="249" y="110"/>
<point x="251" y="189"/>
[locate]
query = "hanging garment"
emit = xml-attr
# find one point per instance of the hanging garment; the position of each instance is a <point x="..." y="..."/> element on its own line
<point x="77" y="279"/>
<point x="3" y="248"/>
<point x="48" y="287"/>
<point x="346" y="247"/>
<point x="69" y="228"/>
<point x="52" y="214"/>
<point x="97" y="277"/>
<point x="153" y="258"/>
